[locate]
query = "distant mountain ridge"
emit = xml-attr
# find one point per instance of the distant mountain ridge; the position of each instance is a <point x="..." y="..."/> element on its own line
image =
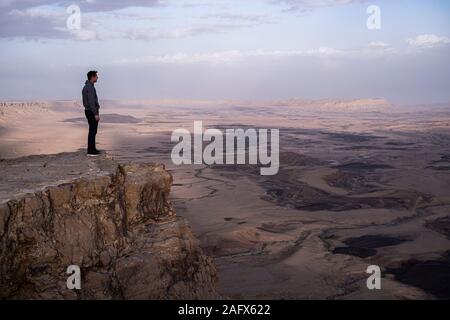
<point x="363" y="103"/>
<point x="338" y="104"/>
<point x="15" y="110"/>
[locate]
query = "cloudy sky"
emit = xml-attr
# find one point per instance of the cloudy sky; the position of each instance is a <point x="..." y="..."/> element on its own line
<point x="215" y="49"/>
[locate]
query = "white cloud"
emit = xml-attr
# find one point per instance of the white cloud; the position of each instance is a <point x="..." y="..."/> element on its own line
<point x="40" y="12"/>
<point x="50" y="22"/>
<point x="325" y="51"/>
<point x="307" y="5"/>
<point x="328" y="54"/>
<point x="378" y="45"/>
<point x="379" y="48"/>
<point x="84" y="34"/>
<point x="428" y="41"/>
<point x="228" y="56"/>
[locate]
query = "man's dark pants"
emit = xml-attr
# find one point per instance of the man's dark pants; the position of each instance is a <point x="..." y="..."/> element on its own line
<point x="93" y="124"/>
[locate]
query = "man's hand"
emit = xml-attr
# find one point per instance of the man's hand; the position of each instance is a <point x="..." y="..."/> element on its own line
<point x="97" y="117"/>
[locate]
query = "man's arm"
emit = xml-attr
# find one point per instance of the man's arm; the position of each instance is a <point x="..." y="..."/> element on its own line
<point x="92" y="102"/>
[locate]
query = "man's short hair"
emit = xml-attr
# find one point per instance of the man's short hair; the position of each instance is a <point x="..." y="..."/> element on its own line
<point x="91" y="74"/>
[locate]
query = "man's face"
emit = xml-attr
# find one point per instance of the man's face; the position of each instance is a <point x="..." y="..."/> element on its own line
<point x="94" y="79"/>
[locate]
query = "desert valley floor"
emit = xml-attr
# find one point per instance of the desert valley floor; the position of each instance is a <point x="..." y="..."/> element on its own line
<point x="356" y="187"/>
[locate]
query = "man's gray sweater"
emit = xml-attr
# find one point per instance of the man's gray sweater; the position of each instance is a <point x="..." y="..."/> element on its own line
<point x="90" y="99"/>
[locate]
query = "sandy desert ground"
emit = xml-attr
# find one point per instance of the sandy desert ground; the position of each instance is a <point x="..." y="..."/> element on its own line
<point x="360" y="183"/>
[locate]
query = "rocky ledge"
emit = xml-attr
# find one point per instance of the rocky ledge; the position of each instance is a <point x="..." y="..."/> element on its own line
<point x="114" y="221"/>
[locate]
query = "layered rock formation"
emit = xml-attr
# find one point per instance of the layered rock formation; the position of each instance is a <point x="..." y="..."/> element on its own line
<point x="114" y="221"/>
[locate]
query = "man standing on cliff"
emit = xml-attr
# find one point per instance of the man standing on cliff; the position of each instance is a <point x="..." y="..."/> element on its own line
<point x="91" y="107"/>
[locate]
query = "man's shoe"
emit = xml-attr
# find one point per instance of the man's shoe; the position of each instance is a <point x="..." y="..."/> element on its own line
<point x="94" y="153"/>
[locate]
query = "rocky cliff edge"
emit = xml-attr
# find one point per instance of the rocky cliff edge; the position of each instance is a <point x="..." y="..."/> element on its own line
<point x="114" y="221"/>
